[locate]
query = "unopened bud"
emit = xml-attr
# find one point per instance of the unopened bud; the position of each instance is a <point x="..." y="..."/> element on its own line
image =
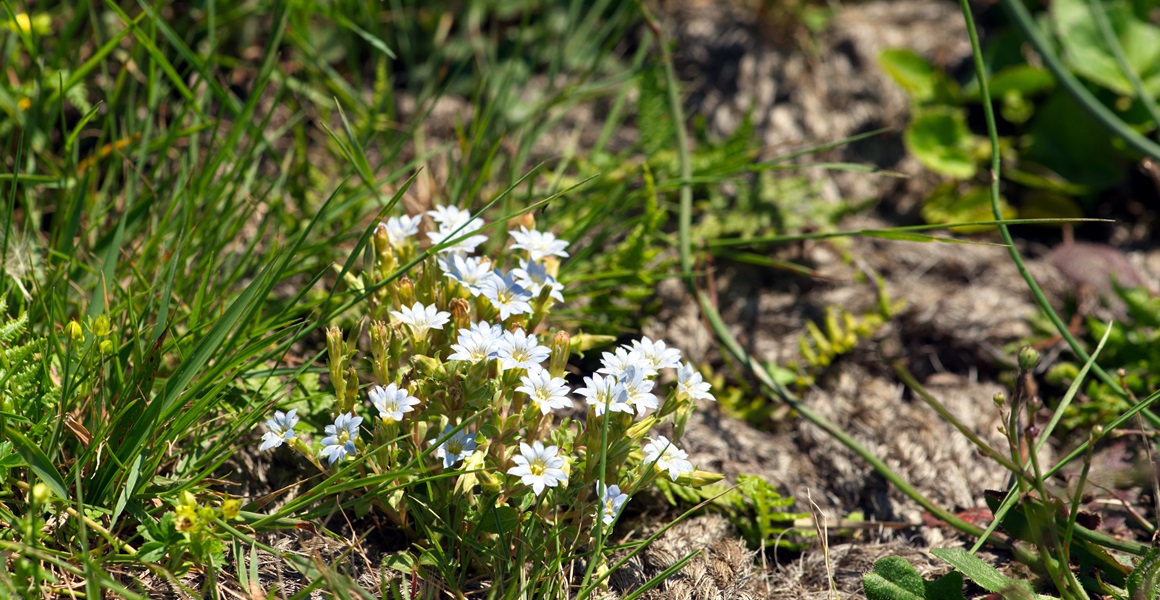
<point x="41" y="493"/>
<point x="428" y="366"/>
<point x="230" y="508"/>
<point x="488" y="481"/>
<point x="1032" y="431"/>
<point x="74" y="332"/>
<point x="641" y="428"/>
<point x="561" y="349"/>
<point x="583" y="342"/>
<point x="406" y="290"/>
<point x="460" y="313"/>
<point x="1097" y="432"/>
<point x="699" y="478"/>
<point x="526" y="220"/>
<point x="100" y="326"/>
<point x="382" y="241"/>
<point x="336" y="360"/>
<point x="107" y="347"/>
<point x="380" y="347"/>
<point x="1028" y="359"/>
<point x="999" y="399"/>
<point x="351" y="386"/>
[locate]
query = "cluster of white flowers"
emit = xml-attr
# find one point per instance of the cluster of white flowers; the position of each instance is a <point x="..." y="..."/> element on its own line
<point x="624" y="384"/>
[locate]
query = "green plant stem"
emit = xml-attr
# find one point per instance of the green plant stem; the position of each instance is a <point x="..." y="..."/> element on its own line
<point x="1031" y="32"/>
<point x="1070" y="84"/>
<point x="734" y="348"/>
<point x="931" y="401"/>
<point x="1109" y="35"/>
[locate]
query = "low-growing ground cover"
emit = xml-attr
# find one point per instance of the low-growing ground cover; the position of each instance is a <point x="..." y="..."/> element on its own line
<point x="484" y="300"/>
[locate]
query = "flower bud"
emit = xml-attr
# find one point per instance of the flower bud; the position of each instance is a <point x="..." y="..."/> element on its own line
<point x="526" y="220"/>
<point x="382" y="241"/>
<point x="999" y="399"/>
<point x="699" y="478"/>
<point x="428" y="366"/>
<point x="583" y="342"/>
<point x="107" y="347"/>
<point x="41" y="494"/>
<point x="336" y="359"/>
<point x="100" y="326"/>
<point x="351" y="387"/>
<point x="640" y="429"/>
<point x="230" y="508"/>
<point x="406" y="291"/>
<point x="460" y="314"/>
<point x="74" y="332"/>
<point x="380" y="349"/>
<point x="561" y="349"/>
<point x="1028" y="358"/>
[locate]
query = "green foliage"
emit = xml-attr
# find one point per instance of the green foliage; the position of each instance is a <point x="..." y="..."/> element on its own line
<point x="1050" y="170"/>
<point x="840" y="333"/>
<point x="753" y="506"/>
<point x="893" y="578"/>
<point x="1132" y="345"/>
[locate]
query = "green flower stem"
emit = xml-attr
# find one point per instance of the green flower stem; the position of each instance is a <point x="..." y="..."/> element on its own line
<point x="933" y="402"/>
<point x="734" y="348"/>
<point x="1081" y="95"/>
<point x="1070" y="84"/>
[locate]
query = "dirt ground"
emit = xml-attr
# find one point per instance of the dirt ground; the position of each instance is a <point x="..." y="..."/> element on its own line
<point x="965" y="308"/>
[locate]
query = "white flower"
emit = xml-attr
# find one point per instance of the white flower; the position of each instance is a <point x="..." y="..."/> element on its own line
<point x="507" y="296"/>
<point x="392" y="402"/>
<point x="617" y="363"/>
<point x="534" y="277"/>
<point x="667" y="457"/>
<point x="518" y="350"/>
<point x="421" y="318"/>
<point x="280" y="429"/>
<point x="400" y="228"/>
<point x="453" y="223"/>
<point x="449" y="216"/>
<point x="605" y="392"/>
<point x="486" y="328"/>
<point x="538" y="243"/>
<point x="475" y="345"/>
<point x="546" y="392"/>
<point x="637" y="390"/>
<point x="689" y="384"/>
<point x="454" y="448"/>
<point x="656" y="354"/>
<point x="611" y="502"/>
<point x="538" y="466"/>
<point x="471" y="272"/>
<point x="340" y="437"/>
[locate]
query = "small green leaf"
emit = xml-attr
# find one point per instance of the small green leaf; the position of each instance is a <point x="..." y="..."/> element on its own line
<point x="911" y="72"/>
<point x="38" y="462"/>
<point x="940" y="140"/>
<point x="893" y="578"/>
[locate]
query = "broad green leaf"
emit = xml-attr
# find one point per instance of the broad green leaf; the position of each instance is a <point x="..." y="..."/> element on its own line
<point x="940" y="140"/>
<point x="911" y="71"/>
<point x="1025" y="79"/>
<point x="1063" y="139"/>
<point x="1086" y="52"/>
